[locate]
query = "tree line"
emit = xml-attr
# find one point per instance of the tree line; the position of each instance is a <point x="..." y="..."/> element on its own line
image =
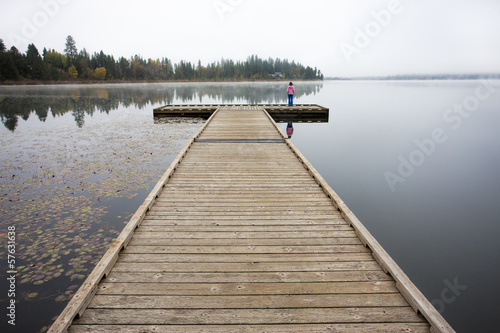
<point x="76" y="65"/>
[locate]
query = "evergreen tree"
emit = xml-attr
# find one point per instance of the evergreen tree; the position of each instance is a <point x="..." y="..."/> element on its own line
<point x="70" y="49"/>
<point x="35" y="64"/>
<point x="82" y="64"/>
<point x="31" y="54"/>
<point x="123" y="69"/>
<point x="8" y="69"/>
<point x="19" y="61"/>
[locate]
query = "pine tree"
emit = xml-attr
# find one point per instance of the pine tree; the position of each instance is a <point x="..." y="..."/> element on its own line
<point x="34" y="63"/>
<point x="70" y="50"/>
<point x="19" y="61"/>
<point x="8" y="69"/>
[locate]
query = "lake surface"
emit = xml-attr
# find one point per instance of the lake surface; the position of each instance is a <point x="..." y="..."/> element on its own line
<point x="418" y="162"/>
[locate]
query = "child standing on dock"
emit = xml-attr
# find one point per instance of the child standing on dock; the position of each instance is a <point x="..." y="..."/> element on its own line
<point x="290" y="91"/>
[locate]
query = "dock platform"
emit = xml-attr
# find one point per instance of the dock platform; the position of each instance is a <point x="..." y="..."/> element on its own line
<point x="279" y="112"/>
<point x="241" y="234"/>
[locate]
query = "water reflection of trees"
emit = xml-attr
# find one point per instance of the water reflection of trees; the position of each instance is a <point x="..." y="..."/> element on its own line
<point x="22" y="102"/>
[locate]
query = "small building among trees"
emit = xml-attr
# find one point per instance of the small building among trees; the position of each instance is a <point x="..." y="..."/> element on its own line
<point x="276" y="76"/>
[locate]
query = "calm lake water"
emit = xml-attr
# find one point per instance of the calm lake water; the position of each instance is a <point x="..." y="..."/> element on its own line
<point x="418" y="162"/>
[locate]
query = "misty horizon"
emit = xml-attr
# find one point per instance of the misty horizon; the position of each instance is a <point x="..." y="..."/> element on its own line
<point x="342" y="38"/>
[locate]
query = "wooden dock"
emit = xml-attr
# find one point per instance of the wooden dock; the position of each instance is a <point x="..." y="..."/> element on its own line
<point x="279" y="112"/>
<point x="241" y="234"/>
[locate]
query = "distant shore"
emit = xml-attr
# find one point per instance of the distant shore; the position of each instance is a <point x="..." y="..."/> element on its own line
<point x="90" y="82"/>
<point x="425" y="77"/>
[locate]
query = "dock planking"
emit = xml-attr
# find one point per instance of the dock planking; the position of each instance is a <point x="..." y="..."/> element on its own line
<point x="241" y="234"/>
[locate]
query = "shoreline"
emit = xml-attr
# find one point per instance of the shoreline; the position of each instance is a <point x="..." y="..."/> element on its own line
<point x="56" y="83"/>
<point x="111" y="82"/>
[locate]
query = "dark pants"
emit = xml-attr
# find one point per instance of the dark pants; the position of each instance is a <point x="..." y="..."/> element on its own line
<point x="290" y="99"/>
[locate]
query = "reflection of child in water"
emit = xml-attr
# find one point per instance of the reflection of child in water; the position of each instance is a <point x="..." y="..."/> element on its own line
<point x="289" y="129"/>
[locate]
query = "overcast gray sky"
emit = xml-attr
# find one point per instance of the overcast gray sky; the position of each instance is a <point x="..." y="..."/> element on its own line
<point x="340" y="37"/>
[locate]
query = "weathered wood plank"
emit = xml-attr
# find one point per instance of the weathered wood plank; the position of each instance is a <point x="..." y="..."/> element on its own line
<point x="285" y="328"/>
<point x="224" y="249"/>
<point x="271" y="219"/>
<point x="238" y="175"/>
<point x="243" y="211"/>
<point x="255" y="197"/>
<point x="239" y="180"/>
<point x="248" y="234"/>
<point x="248" y="242"/>
<point x="236" y="208"/>
<point x="239" y="277"/>
<point x="253" y="266"/>
<point x="237" y="257"/>
<point x="241" y="222"/>
<point x="264" y="187"/>
<point x="245" y="228"/>
<point x="243" y="192"/>
<point x="248" y="316"/>
<point x="219" y="217"/>
<point x="270" y="288"/>
<point x="247" y="302"/>
<point x="203" y="194"/>
<point x="213" y="201"/>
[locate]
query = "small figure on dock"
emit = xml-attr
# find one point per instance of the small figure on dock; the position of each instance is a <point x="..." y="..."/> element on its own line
<point x="289" y="129"/>
<point x="290" y="91"/>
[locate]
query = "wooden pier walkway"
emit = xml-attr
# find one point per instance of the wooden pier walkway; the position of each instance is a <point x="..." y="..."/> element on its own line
<point x="241" y="234"/>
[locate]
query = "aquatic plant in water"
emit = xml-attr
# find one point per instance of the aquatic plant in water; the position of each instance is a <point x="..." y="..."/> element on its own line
<point x="68" y="191"/>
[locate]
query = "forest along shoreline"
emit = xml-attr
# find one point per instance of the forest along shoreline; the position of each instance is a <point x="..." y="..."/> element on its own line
<point x="73" y="65"/>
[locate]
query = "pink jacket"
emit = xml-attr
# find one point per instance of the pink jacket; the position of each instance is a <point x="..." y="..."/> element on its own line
<point x="290" y="90"/>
